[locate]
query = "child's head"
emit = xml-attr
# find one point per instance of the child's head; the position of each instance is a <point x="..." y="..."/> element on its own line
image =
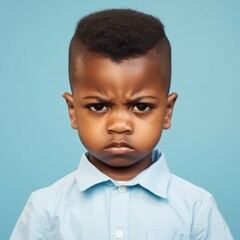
<point x="120" y="34"/>
<point x="120" y="72"/>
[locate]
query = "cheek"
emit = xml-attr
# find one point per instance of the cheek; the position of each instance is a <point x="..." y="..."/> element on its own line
<point x="153" y="134"/>
<point x="91" y="133"/>
<point x="148" y="133"/>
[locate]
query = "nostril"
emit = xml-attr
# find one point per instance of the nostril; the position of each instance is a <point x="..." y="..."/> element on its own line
<point x="120" y="128"/>
<point x="126" y="131"/>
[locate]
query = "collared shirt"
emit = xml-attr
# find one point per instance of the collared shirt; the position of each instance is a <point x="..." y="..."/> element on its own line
<point x="88" y="205"/>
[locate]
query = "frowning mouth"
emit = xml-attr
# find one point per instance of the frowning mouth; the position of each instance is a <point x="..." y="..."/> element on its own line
<point x="119" y="147"/>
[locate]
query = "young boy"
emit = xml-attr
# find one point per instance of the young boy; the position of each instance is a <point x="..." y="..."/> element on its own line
<point x="120" y="71"/>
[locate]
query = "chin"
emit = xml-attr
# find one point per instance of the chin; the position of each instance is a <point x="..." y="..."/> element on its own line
<point x="117" y="160"/>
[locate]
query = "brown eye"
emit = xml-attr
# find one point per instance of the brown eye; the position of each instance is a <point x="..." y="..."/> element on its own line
<point x="98" y="107"/>
<point x="141" y="107"/>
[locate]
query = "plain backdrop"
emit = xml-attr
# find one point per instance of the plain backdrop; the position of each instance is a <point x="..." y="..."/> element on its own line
<point x="37" y="144"/>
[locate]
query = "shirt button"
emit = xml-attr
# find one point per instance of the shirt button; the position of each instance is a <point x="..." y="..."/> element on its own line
<point x="122" y="189"/>
<point x="119" y="234"/>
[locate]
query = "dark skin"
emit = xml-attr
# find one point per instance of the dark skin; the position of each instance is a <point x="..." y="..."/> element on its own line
<point x="120" y="111"/>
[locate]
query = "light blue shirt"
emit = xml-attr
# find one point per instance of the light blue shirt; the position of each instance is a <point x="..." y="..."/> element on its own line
<point x="88" y="205"/>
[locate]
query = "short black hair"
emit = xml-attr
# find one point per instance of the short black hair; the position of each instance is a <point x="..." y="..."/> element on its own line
<point x="120" y="34"/>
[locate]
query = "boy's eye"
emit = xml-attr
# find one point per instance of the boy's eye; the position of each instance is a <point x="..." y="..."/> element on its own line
<point x="142" y="107"/>
<point x="98" y="107"/>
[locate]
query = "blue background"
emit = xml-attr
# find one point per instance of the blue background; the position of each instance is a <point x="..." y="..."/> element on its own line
<point x="37" y="145"/>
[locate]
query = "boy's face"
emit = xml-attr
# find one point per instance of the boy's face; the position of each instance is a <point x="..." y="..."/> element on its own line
<point x="120" y="110"/>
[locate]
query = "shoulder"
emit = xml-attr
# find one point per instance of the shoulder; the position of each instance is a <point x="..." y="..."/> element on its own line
<point x="183" y="186"/>
<point x="42" y="210"/>
<point x="55" y="194"/>
<point x="187" y="194"/>
<point x="61" y="184"/>
<point x="195" y="202"/>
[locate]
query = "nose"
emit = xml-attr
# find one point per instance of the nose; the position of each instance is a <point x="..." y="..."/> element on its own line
<point x="120" y="122"/>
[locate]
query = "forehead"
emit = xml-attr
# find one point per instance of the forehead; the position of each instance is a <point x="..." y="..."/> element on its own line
<point x="101" y="74"/>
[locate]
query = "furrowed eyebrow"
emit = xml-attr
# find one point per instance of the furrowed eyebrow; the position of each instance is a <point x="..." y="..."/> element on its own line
<point x="100" y="99"/>
<point x="141" y="98"/>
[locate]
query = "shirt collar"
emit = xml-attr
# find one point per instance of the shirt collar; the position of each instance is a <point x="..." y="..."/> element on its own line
<point x="88" y="175"/>
<point x="155" y="178"/>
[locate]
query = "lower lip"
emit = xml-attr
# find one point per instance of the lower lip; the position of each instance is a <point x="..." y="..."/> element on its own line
<point x="119" y="150"/>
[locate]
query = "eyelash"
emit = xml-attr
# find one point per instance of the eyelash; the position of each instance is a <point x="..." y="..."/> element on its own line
<point x="103" y="107"/>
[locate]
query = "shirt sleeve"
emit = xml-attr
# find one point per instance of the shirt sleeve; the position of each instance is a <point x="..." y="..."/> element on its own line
<point x="213" y="226"/>
<point x="29" y="225"/>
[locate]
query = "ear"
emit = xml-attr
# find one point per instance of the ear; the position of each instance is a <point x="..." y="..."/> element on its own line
<point x="69" y="99"/>
<point x="169" y="111"/>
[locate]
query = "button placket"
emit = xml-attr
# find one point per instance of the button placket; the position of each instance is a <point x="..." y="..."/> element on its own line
<point x="119" y="219"/>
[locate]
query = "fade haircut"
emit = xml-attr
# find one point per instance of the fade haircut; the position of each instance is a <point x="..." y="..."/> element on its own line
<point x="120" y="34"/>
